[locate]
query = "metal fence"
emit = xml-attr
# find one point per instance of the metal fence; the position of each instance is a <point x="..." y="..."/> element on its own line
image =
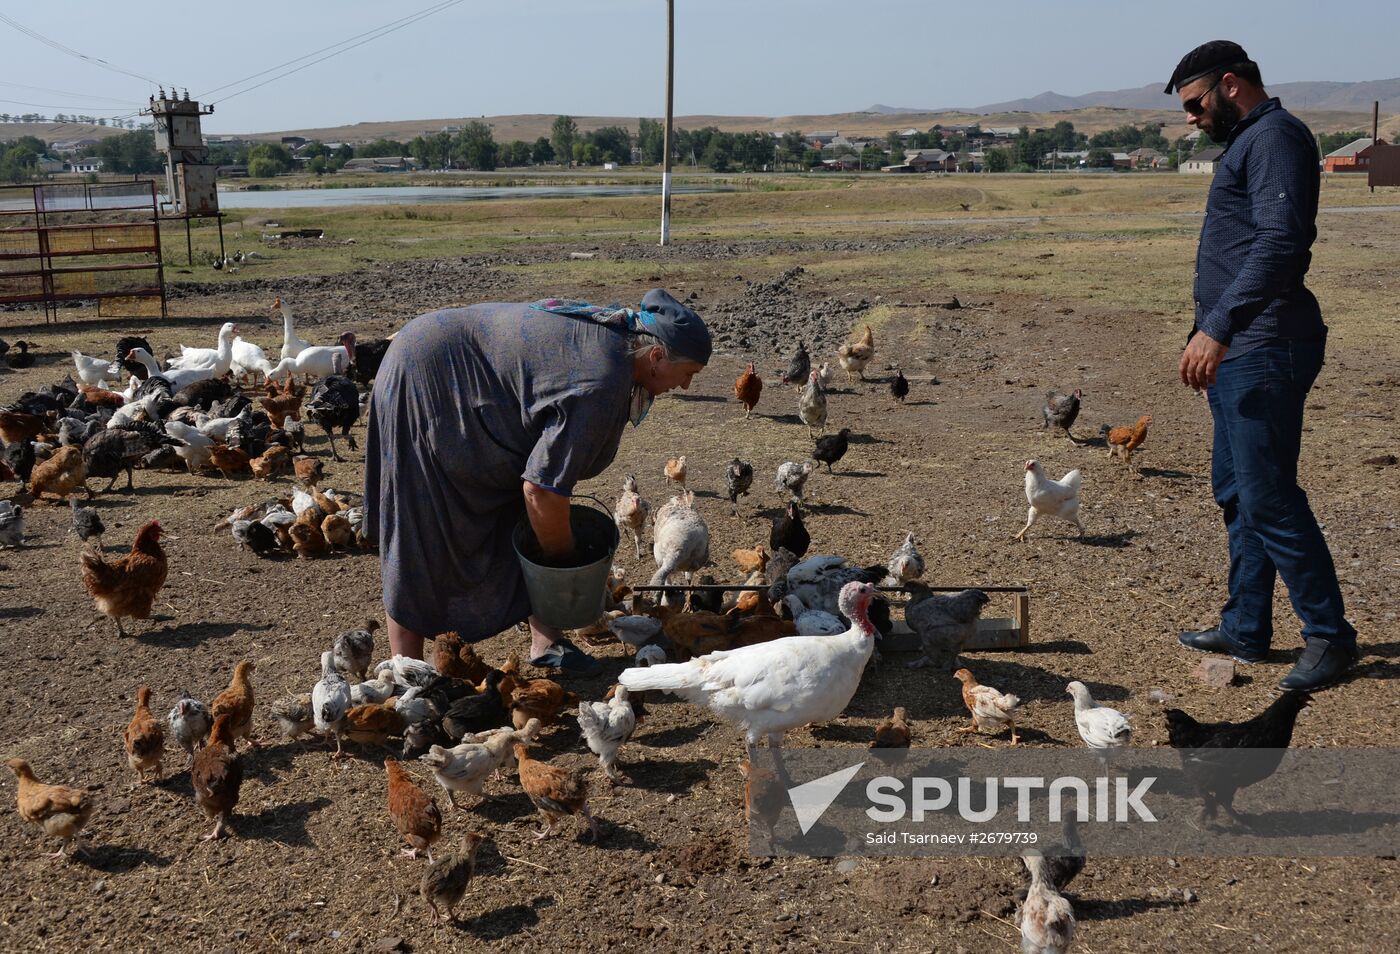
<point x="79" y="242"/>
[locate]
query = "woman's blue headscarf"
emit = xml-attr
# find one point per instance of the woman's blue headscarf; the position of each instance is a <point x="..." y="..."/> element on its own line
<point x="677" y="327"/>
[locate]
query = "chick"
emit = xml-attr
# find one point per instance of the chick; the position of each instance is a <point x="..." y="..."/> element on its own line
<point x="353" y="650"/>
<point x="373" y="724"/>
<point x="675" y="471"/>
<point x="606" y="727"/>
<point x="893" y="733"/>
<point x="61" y="811"/>
<point x="330" y="701"/>
<point x="415" y="814"/>
<point x="307" y="541"/>
<point x="465" y="767"/>
<point x="336" y="529"/>
<point x="294" y="716"/>
<point x="190" y="722"/>
<point x="556" y="792"/>
<point x="144" y="739"/>
<point x="991" y="710"/>
<point x="237" y="703"/>
<point x="217" y="775"/>
<point x="446" y="880"/>
<point x="11" y="524"/>
<point x="1047" y="920"/>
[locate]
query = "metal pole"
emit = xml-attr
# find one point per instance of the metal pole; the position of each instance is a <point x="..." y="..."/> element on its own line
<point x="666" y="140"/>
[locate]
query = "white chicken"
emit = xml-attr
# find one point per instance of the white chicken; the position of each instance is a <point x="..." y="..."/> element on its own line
<point x="811" y="405"/>
<point x="768" y="688"/>
<point x="330" y="700"/>
<point x="632" y="512"/>
<point x="826" y="374"/>
<point x="1051" y="498"/>
<point x="374" y="691"/>
<point x="792" y="478"/>
<point x="95" y="371"/>
<point x="465" y="767"/>
<point x="680" y="539"/>
<point x="606" y="727"/>
<point x="906" y="563"/>
<point x="408" y="671"/>
<point x="219" y="358"/>
<point x="1047" y="921"/>
<point x="1103" y="729"/>
<point x="195" y="448"/>
<point x="634" y="630"/>
<point x="292" y="343"/>
<point x="143" y="410"/>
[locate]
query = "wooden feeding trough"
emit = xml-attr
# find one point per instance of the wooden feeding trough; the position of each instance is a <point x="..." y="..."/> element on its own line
<point x="1005" y="632"/>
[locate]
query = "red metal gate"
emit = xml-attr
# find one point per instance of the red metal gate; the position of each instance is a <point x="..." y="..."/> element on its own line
<point x="76" y="242"/>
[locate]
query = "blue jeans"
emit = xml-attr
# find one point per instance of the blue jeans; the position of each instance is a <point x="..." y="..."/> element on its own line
<point x="1257" y="402"/>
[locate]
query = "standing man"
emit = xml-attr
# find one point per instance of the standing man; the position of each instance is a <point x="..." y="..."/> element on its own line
<point x="1256" y="348"/>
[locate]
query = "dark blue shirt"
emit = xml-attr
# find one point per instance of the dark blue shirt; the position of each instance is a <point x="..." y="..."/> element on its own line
<point x="1261" y="220"/>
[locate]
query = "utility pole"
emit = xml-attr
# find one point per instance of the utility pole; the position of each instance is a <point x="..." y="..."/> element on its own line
<point x="666" y="140"/>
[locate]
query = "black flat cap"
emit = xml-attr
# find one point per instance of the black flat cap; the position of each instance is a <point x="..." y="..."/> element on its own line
<point x="1206" y="58"/>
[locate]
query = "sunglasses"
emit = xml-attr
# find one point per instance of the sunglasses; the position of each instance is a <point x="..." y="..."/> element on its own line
<point x="1196" y="105"/>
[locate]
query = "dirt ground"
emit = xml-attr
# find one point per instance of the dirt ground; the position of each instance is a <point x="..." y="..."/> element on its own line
<point x="314" y="863"/>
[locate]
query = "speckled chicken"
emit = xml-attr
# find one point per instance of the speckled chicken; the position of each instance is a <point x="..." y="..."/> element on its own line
<point x="606" y="727"/>
<point x="217" y="775"/>
<point x="190" y="723"/>
<point x="1060" y="411"/>
<point x="738" y="478"/>
<point x="991" y="711"/>
<point x="811" y="406"/>
<point x="792" y="478"/>
<point x="632" y="512"/>
<point x="1046" y="920"/>
<point x="944" y="622"/>
<point x="447" y="879"/>
<point x="798" y="367"/>
<point x="906" y="563"/>
<point x="335" y="403"/>
<point x="353" y="649"/>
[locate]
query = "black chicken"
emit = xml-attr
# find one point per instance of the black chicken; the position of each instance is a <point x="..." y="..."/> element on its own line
<point x="87" y="522"/>
<point x="249" y="431"/>
<point x="738" y="478"/>
<point x="799" y="365"/>
<point x="111" y="451"/>
<point x="19" y="455"/>
<point x="229" y="407"/>
<point x="1060" y="410"/>
<point x="832" y="447"/>
<point x="128" y="344"/>
<point x="899" y="386"/>
<point x="422" y="736"/>
<point x="789" y="533"/>
<point x="369" y="355"/>
<point x="1220" y="758"/>
<point x="335" y="402"/>
<point x="478" y="713"/>
<point x="203" y="394"/>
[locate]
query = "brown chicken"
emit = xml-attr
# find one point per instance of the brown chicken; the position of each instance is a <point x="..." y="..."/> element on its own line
<point x="556" y="792"/>
<point x="675" y="471"/>
<point x="751" y="630"/>
<point x="60" y="475"/>
<point x="127" y="587"/>
<point x="61" y="811"/>
<point x="747" y="389"/>
<point x="16" y="426"/>
<point x="446" y="879"/>
<point x="854" y="356"/>
<point x="893" y="733"/>
<point x="456" y="659"/>
<point x="695" y="634"/>
<point x="539" y="699"/>
<point x="236" y="702"/>
<point x="338" y="533"/>
<point x="307" y="541"/>
<point x="276" y="460"/>
<point x="752" y="561"/>
<point x="281" y="404"/>
<point x="309" y="471"/>
<point x="144" y="739"/>
<point x="415" y="814"/>
<point x="100" y="397"/>
<point x="327" y="504"/>
<point x="373" y="724"/>
<point x="217" y="775"/>
<point x="228" y="460"/>
<point x="1122" y="441"/>
<point x="764" y="797"/>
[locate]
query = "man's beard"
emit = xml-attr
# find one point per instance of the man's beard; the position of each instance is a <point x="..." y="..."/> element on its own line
<point x="1222" y="117"/>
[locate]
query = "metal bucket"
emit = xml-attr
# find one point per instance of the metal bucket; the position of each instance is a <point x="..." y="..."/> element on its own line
<point x="569" y="597"/>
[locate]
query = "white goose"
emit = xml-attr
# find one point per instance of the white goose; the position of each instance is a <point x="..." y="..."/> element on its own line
<point x="291" y="344"/>
<point x="218" y="359"/>
<point x="178" y="378"/>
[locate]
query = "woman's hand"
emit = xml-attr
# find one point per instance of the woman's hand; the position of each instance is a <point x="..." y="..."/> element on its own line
<point x="549" y="518"/>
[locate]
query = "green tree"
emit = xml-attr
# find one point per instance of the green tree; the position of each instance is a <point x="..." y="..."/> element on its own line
<point x="614" y="144"/>
<point x="651" y="140"/>
<point x="273" y="155"/>
<point x="542" y="151"/>
<point x="999" y="160"/>
<point x="716" y="154"/>
<point x="131" y="152"/>
<point x="476" y="148"/>
<point x="515" y="153"/>
<point x="18" y="164"/>
<point x="894" y="143"/>
<point x="791" y="148"/>
<point x="562" y="136"/>
<point x="381" y="148"/>
<point x="1099" y="159"/>
<point x="261" y="167"/>
<point x="872" y="157"/>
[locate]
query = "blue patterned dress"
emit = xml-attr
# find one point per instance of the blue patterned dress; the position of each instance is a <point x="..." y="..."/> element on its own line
<point x="468" y="403"/>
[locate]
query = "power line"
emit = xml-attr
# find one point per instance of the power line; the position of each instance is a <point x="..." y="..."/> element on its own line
<point x="338" y="48"/>
<point x="65" y="92"/>
<point x="95" y="109"/>
<point x="96" y="61"/>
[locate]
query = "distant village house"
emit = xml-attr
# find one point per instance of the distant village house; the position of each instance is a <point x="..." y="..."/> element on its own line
<point x="1355" y="156"/>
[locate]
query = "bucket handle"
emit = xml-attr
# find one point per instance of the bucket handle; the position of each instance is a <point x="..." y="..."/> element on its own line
<point x="606" y="509"/>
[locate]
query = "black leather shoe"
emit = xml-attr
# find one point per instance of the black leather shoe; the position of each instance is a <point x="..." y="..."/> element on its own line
<point x="1214" y="641"/>
<point x="1322" y="664"/>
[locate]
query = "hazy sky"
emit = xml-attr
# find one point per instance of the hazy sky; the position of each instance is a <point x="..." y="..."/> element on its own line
<point x="607" y="57"/>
